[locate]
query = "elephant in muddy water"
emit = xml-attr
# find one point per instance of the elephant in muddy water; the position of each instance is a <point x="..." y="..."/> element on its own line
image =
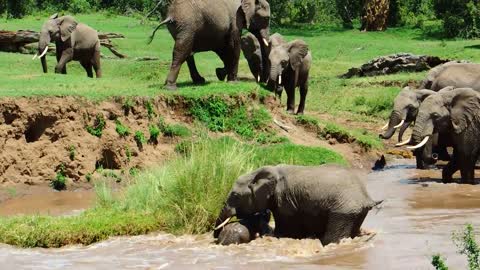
<point x="73" y="41"/>
<point x="456" y="112"/>
<point x="327" y="202"/>
<point x="213" y="25"/>
<point x="245" y="230"/>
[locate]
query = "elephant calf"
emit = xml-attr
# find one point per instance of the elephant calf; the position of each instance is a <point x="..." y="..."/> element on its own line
<point x="327" y="202"/>
<point x="246" y="229"/>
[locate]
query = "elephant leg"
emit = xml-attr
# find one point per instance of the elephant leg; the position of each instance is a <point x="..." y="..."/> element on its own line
<point x="181" y="51"/>
<point x="67" y="56"/>
<point x="450" y="169"/>
<point x="230" y="58"/>
<point x="222" y="72"/>
<point x="87" y="65"/>
<point x="196" y="77"/>
<point x="339" y="226"/>
<point x="467" y="170"/>
<point x="59" y="56"/>
<point x="303" y="96"/>
<point x="96" y="64"/>
<point x="290" y="98"/>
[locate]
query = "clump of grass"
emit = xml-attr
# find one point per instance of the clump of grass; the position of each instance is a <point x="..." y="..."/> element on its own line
<point x="438" y="262"/>
<point x="128" y="153"/>
<point x="98" y="126"/>
<point x="71" y="152"/>
<point x="154" y="133"/>
<point x="88" y="177"/>
<point x="175" y="130"/>
<point x="270" y="138"/>
<point x="59" y="182"/>
<point x="127" y="105"/>
<point x="343" y="135"/>
<point x="140" y="139"/>
<point x="121" y="129"/>
<point x="308" y="122"/>
<point x="150" y="110"/>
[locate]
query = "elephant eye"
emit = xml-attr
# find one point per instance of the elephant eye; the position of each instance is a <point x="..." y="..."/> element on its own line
<point x="435" y="115"/>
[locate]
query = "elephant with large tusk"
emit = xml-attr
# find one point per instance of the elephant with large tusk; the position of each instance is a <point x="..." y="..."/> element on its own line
<point x="327" y="202"/>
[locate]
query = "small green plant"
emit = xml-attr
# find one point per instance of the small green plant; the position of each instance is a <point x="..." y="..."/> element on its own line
<point x="98" y="126"/>
<point x="128" y="153"/>
<point x="140" y="139"/>
<point x="127" y="105"/>
<point x="308" y="122"/>
<point x="438" y="262"/>
<point x="133" y="171"/>
<point x="112" y="174"/>
<point x="71" y="152"/>
<point x="121" y="129"/>
<point x="59" y="182"/>
<point x="176" y="130"/>
<point x="150" y="110"/>
<point x="88" y="177"/>
<point x="154" y="133"/>
<point x="270" y="138"/>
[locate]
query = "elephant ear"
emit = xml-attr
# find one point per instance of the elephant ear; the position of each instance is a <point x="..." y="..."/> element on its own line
<point x="248" y="8"/>
<point x="264" y="182"/>
<point x="297" y="50"/>
<point x="424" y="93"/>
<point x="54" y="16"/>
<point x="464" y="111"/>
<point x="67" y="26"/>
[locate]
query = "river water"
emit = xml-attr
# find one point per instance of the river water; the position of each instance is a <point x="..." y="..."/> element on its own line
<point x="416" y="220"/>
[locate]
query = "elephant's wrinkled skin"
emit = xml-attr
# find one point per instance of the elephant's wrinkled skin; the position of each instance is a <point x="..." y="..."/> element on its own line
<point x="289" y="67"/>
<point x="327" y="202"/>
<point x="458" y="113"/>
<point x="73" y="41"/>
<point x="213" y="25"/>
<point x="246" y="229"/>
<point x="458" y="75"/>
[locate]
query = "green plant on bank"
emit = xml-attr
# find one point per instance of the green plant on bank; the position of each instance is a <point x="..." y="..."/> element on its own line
<point x="154" y="133"/>
<point x="127" y="105"/>
<point x="121" y="129"/>
<point x="343" y="135"/>
<point x="270" y="138"/>
<point x="128" y="153"/>
<point x="59" y="182"/>
<point x="140" y="139"/>
<point x="88" y="177"/>
<point x="98" y="126"/>
<point x="173" y="130"/>
<point x="71" y="152"/>
<point x="467" y="245"/>
<point x="150" y="110"/>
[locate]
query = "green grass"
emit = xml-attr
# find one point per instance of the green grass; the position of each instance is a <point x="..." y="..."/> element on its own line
<point x="183" y="196"/>
<point x="122" y="130"/>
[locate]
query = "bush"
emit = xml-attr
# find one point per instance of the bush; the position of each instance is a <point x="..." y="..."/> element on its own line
<point x="19" y="8"/>
<point x="98" y="126"/>
<point x="302" y="11"/>
<point x="58" y="182"/>
<point x="122" y="130"/>
<point x="79" y="6"/>
<point x="154" y="133"/>
<point x="460" y="17"/>
<point x="140" y="139"/>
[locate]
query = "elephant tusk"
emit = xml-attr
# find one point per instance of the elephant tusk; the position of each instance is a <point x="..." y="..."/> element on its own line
<point x="265" y="42"/>
<point x="404" y="142"/>
<point x="385" y="127"/>
<point x="258" y="78"/>
<point x="422" y="143"/>
<point x="280" y="79"/>
<point x="223" y="223"/>
<point x="44" y="52"/>
<point x="35" y="56"/>
<point x="399" y="125"/>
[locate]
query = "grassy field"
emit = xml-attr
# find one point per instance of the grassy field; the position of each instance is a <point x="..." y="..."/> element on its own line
<point x="334" y="51"/>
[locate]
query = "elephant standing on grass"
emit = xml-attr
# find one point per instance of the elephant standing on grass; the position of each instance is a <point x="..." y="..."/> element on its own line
<point x="458" y="113"/>
<point x="213" y="25"/>
<point x="73" y="41"/>
<point x="327" y="202"/>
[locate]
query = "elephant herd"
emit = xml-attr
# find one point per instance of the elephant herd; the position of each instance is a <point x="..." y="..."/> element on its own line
<point x="445" y="112"/>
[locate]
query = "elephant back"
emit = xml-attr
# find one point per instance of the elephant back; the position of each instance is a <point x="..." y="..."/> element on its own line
<point x="84" y="38"/>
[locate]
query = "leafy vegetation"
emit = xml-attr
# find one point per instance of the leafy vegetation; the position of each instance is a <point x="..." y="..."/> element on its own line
<point x="121" y="129"/>
<point x="139" y="139"/>
<point x="98" y="126"/>
<point x="71" y="152"/>
<point x="154" y="133"/>
<point x="59" y="182"/>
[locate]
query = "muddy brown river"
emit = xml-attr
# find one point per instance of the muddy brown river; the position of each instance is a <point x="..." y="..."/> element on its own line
<point x="417" y="220"/>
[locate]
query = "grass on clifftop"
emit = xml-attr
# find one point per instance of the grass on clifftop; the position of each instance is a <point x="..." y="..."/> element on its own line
<point x="183" y="196"/>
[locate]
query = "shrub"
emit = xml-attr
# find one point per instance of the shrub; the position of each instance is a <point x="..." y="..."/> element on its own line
<point x="154" y="133"/>
<point x="79" y="6"/>
<point x="19" y="8"/>
<point x="98" y="126"/>
<point x="71" y="152"/>
<point x="460" y="17"/>
<point x="127" y="105"/>
<point x="150" y="110"/>
<point x="122" y="130"/>
<point x="140" y="139"/>
<point x="58" y="182"/>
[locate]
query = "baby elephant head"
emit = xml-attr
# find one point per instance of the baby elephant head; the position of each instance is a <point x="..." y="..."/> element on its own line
<point x="252" y="52"/>
<point x="285" y="58"/>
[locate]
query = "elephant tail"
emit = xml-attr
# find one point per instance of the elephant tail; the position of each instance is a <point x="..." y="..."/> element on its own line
<point x="167" y="20"/>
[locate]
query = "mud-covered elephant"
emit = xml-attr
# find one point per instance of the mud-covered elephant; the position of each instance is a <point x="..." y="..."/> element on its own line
<point x="458" y="113"/>
<point x="73" y="41"/>
<point x="458" y="75"/>
<point x="327" y="202"/>
<point x="213" y="25"/>
<point x="245" y="230"/>
<point x="289" y="67"/>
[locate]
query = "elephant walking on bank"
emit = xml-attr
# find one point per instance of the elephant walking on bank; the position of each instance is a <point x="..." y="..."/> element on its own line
<point x="73" y="41"/>
<point x="327" y="202"/>
<point x="213" y="25"/>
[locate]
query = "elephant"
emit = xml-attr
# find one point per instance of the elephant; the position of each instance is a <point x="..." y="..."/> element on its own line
<point x="457" y="113"/>
<point x="74" y="41"/>
<point x="213" y="25"/>
<point x="458" y="75"/>
<point x="289" y="67"/>
<point x="253" y="53"/>
<point x="246" y="229"/>
<point x="404" y="113"/>
<point x="327" y="202"/>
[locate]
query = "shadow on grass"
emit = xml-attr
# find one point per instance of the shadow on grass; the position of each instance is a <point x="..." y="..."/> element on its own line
<point x="472" y="47"/>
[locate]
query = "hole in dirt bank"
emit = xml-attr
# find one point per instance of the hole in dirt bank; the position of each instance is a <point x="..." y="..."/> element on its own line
<point x="108" y="161"/>
<point x="37" y="127"/>
<point x="9" y="117"/>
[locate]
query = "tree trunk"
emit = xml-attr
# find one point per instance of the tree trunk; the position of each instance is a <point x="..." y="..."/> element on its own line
<point x="375" y="15"/>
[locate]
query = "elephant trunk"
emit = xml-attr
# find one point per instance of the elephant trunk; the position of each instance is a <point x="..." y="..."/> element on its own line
<point x="44" y="63"/>
<point x="43" y="48"/>
<point x="395" y="119"/>
<point x="422" y="132"/>
<point x="226" y="213"/>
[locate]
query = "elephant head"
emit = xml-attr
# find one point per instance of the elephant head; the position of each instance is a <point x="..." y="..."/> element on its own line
<point x="405" y="108"/>
<point x="54" y="30"/>
<point x="252" y="52"/>
<point x="256" y="15"/>
<point x="286" y="57"/>
<point x="448" y="110"/>
<point x="252" y="193"/>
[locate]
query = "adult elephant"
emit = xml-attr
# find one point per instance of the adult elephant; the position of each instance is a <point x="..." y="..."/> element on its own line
<point x="458" y="75"/>
<point x="73" y="41"/>
<point x="458" y="113"/>
<point x="213" y="25"/>
<point x="327" y="202"/>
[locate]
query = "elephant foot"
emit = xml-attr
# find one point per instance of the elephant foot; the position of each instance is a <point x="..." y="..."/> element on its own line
<point x="290" y="111"/>
<point x="171" y="86"/>
<point x="221" y="74"/>
<point x="300" y="113"/>
<point x="199" y="81"/>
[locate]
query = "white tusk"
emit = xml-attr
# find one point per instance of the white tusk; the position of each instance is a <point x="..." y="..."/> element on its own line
<point x="399" y="125"/>
<point x="258" y="78"/>
<point x="35" y="56"/>
<point x="280" y="79"/>
<point x="223" y="223"/>
<point x="404" y="142"/>
<point x="265" y="42"/>
<point x="44" y="52"/>
<point x="422" y="143"/>
<point x="385" y="127"/>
